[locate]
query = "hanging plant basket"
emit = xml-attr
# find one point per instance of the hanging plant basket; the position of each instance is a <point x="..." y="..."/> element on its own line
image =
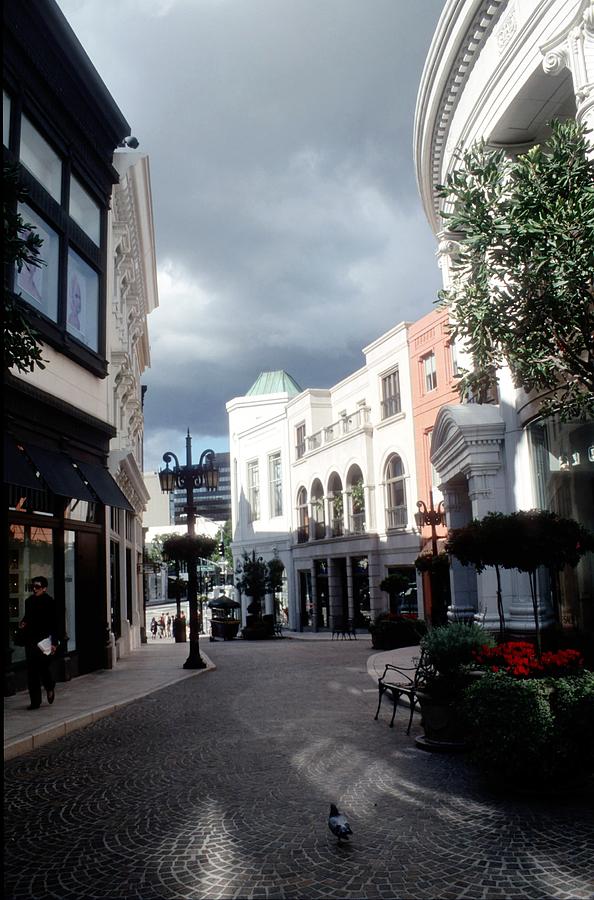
<point x="432" y="565"/>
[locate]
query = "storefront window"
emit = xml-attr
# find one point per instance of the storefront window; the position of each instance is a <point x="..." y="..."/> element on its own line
<point x="70" y="586"/>
<point x="562" y="457"/>
<point x="30" y="554"/>
<point x="81" y="510"/>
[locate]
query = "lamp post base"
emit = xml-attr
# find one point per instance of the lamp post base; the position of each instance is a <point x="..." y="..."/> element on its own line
<point x="194" y="661"/>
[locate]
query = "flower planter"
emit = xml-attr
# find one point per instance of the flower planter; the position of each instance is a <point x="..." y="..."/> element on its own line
<point x="224" y="628"/>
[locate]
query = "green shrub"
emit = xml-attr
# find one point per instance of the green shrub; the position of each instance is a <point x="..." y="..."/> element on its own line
<point x="390" y="631"/>
<point x="531" y="730"/>
<point x="449" y="648"/>
<point x="447" y="655"/>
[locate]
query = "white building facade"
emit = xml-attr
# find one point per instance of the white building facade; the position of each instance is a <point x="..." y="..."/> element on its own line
<point x="325" y="480"/>
<point x="500" y="70"/>
<point x="134" y="297"/>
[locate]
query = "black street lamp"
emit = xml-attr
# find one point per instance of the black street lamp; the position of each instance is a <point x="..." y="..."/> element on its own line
<point x="190" y="477"/>
<point x="432" y="517"/>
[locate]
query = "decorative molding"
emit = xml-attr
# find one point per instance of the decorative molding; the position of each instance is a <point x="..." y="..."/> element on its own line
<point x="507" y="28"/>
<point x="482" y="26"/>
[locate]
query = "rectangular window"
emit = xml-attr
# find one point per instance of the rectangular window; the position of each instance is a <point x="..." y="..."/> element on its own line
<point x="6" y="105"/>
<point x="253" y="481"/>
<point x="300" y="440"/>
<point x="429" y="372"/>
<point x="454" y="360"/>
<point x="83" y="301"/>
<point x="41" y="161"/>
<point x="69" y="288"/>
<point x="114" y="518"/>
<point x="390" y="394"/>
<point x="38" y="285"/>
<point x="84" y="210"/>
<point x="275" y="481"/>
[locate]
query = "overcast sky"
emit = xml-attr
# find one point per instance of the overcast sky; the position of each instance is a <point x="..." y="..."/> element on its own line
<point x="288" y="224"/>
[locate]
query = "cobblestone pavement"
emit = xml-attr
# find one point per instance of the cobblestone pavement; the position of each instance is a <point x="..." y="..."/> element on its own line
<point x="219" y="787"/>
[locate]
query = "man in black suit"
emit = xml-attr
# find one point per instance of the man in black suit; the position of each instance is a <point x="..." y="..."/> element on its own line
<point x="39" y="623"/>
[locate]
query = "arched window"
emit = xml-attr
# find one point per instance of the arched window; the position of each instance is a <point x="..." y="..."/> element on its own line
<point x="317" y="509"/>
<point x="356" y="495"/>
<point x="302" y="516"/>
<point x="336" y="505"/>
<point x="396" y="512"/>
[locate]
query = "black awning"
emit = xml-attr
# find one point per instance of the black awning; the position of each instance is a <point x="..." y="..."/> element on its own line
<point x="104" y="485"/>
<point x="17" y="468"/>
<point x="59" y="473"/>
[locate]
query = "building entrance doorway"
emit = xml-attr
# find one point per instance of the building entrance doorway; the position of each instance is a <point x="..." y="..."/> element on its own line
<point x="361" y="602"/>
<point x="305" y="603"/>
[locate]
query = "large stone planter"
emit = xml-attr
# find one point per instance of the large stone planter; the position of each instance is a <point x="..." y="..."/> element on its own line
<point x="441" y="721"/>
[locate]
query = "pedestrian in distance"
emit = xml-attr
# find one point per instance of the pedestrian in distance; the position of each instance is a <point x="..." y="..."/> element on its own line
<point x="168" y="625"/>
<point x="154" y="627"/>
<point x="162" y="626"/>
<point x="39" y="624"/>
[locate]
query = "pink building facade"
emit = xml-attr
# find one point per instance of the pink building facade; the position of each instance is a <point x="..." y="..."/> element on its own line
<point x="433" y="371"/>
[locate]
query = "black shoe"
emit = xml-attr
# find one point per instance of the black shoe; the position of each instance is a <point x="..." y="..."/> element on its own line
<point x="51" y="696"/>
<point x="34" y="706"/>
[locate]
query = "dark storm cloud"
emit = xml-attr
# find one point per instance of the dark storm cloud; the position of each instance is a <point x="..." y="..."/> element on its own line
<point x="289" y="230"/>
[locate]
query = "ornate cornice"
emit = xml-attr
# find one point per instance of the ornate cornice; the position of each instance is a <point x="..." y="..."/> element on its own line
<point x="462" y="31"/>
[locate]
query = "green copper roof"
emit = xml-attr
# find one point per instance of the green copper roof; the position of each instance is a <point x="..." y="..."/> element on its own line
<point x="274" y="383"/>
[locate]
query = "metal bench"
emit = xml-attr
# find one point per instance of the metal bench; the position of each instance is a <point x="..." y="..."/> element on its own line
<point x="344" y="629"/>
<point x="400" y="682"/>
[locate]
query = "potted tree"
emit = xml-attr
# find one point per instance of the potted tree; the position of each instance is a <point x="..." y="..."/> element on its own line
<point x="252" y="581"/>
<point x="445" y="670"/>
<point x="186" y="548"/>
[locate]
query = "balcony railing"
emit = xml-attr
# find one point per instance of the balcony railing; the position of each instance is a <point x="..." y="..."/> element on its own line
<point x="396" y="517"/>
<point x="337" y="527"/>
<point x="319" y="531"/>
<point x="328" y="434"/>
<point x="314" y="441"/>
<point x="302" y="534"/>
<point x="357" y="523"/>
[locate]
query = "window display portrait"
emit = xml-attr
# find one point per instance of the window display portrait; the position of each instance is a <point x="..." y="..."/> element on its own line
<point x="82" y="310"/>
<point x="38" y="285"/>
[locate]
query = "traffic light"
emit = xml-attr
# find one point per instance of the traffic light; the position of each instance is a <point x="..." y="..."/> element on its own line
<point x="222" y="548"/>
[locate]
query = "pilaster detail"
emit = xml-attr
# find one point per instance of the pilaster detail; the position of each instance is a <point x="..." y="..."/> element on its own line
<point x="574" y="50"/>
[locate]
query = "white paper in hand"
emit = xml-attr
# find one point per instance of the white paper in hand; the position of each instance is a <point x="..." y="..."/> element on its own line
<point x="45" y="646"/>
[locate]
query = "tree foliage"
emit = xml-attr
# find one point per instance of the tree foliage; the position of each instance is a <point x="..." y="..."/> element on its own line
<point x="523" y="285"/>
<point x="22" y="245"/>
<point x="523" y="540"/>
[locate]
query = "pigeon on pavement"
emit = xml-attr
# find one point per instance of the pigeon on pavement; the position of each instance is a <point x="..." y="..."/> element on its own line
<point x="338" y="825"/>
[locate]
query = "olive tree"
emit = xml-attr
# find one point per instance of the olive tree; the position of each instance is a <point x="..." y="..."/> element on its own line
<point x="522" y="291"/>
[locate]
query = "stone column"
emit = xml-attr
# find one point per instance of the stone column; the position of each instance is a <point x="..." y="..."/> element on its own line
<point x="328" y="516"/>
<point x="350" y="592"/>
<point x="334" y="595"/>
<point x="463" y="579"/>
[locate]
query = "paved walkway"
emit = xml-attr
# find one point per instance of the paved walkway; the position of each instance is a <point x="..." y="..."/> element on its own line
<point x="219" y="785"/>
<point x="150" y="668"/>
